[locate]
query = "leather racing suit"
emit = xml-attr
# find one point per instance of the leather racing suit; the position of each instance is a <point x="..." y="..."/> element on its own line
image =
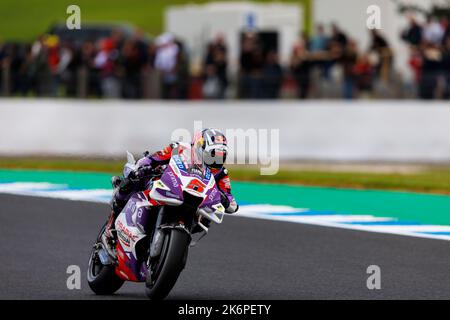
<point x="124" y="187"/>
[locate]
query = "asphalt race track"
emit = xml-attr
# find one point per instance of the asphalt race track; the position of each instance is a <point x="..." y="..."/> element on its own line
<point x="241" y="259"/>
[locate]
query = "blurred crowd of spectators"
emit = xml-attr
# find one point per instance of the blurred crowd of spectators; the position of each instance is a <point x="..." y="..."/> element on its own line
<point x="429" y="45"/>
<point x="110" y="67"/>
<point x="324" y="59"/>
<point x="133" y="67"/>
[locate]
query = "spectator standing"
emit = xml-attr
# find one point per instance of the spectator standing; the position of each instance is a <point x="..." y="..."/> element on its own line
<point x="338" y="36"/>
<point x="381" y="49"/>
<point x="88" y="75"/>
<point x="67" y="68"/>
<point x="105" y="61"/>
<point x="272" y="76"/>
<point x="413" y="34"/>
<point x="166" y="63"/>
<point x="446" y="67"/>
<point x="363" y="72"/>
<point x="348" y="61"/>
<point x="433" y="31"/>
<point x="216" y="64"/>
<point x="40" y="68"/>
<point x="319" y="41"/>
<point x="301" y="69"/>
<point x="319" y="45"/>
<point x="132" y="62"/>
<point x="182" y="72"/>
<point x="53" y="60"/>
<point x="415" y="62"/>
<point x="431" y="66"/>
<point x="251" y="63"/>
<point x="445" y="22"/>
<point x="151" y="78"/>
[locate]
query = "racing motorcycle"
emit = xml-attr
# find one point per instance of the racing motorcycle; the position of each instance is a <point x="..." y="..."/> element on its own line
<point x="153" y="241"/>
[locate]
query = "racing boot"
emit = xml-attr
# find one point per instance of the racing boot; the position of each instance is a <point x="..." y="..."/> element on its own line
<point x="109" y="236"/>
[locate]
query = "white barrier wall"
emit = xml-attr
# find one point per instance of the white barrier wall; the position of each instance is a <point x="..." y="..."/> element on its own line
<point x="345" y="131"/>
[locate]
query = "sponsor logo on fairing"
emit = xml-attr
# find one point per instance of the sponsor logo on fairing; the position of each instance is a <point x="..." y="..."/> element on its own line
<point x="178" y="162"/>
<point x="208" y="174"/>
<point x="124" y="234"/>
<point x="212" y="194"/>
<point x="173" y="179"/>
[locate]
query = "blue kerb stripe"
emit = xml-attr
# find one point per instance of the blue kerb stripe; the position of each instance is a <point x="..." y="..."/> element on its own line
<point x="304" y="213"/>
<point x="48" y="190"/>
<point x="104" y="197"/>
<point x="384" y="223"/>
<point x="438" y="233"/>
<point x="72" y="189"/>
<point x="59" y="188"/>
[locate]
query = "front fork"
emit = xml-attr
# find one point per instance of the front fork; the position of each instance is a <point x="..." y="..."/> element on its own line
<point x="163" y="225"/>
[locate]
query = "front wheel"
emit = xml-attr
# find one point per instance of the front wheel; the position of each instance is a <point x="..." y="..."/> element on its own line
<point x="171" y="262"/>
<point x="102" y="279"/>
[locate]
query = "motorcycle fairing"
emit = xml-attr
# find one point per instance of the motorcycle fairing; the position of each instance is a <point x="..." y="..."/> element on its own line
<point x="178" y="178"/>
<point x="131" y="226"/>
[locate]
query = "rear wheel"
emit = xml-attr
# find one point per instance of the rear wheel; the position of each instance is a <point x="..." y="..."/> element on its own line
<point x="173" y="258"/>
<point x="102" y="279"/>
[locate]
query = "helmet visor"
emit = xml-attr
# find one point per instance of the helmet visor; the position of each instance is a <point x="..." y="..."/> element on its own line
<point x="215" y="156"/>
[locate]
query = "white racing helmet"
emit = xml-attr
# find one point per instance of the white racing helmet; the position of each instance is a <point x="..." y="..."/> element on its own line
<point x="210" y="146"/>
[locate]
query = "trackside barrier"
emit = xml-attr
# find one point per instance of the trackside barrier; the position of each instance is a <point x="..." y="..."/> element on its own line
<point x="324" y="130"/>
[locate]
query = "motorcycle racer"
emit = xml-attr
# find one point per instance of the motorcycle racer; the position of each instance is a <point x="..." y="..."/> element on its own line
<point x="208" y="147"/>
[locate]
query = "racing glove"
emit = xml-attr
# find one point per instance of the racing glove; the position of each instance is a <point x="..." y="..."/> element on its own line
<point x="141" y="172"/>
<point x="230" y="206"/>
